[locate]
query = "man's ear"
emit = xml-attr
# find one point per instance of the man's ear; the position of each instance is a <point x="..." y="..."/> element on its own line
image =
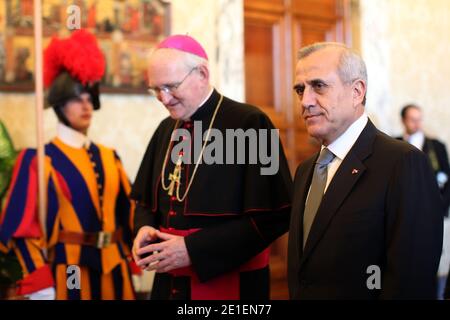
<point x="204" y="72"/>
<point x="359" y="89"/>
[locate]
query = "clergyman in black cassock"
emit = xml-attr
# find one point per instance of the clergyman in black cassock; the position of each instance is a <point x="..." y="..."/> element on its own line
<point x="231" y="212"/>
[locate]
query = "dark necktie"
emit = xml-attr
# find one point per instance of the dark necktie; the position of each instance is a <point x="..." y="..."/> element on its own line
<point x="316" y="191"/>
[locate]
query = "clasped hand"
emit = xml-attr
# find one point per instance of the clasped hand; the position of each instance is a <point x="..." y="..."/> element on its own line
<point x="159" y="251"/>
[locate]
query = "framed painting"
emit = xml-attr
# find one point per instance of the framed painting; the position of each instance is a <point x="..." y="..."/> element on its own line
<point x="126" y="32"/>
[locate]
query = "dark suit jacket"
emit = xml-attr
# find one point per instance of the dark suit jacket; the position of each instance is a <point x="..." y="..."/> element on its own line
<point x="381" y="208"/>
<point x="442" y="159"/>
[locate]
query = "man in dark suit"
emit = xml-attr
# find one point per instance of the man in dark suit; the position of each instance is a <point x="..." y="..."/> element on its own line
<point x="412" y="119"/>
<point x="366" y="220"/>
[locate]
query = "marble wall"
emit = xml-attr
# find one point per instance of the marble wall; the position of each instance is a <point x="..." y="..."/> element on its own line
<point x="126" y="122"/>
<point x="406" y="45"/>
<point x="375" y="52"/>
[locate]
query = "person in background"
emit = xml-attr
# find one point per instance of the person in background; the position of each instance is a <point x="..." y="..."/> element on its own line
<point x="89" y="217"/>
<point x="412" y="119"/>
<point x="436" y="151"/>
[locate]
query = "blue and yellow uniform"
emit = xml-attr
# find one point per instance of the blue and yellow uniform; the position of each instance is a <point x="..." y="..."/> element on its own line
<point x="88" y="222"/>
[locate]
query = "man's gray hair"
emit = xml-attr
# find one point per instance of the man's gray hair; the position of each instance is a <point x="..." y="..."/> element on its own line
<point x="351" y="65"/>
<point x="190" y="60"/>
<point x="193" y="61"/>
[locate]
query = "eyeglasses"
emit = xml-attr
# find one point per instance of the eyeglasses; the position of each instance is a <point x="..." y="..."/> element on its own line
<point x="168" y="88"/>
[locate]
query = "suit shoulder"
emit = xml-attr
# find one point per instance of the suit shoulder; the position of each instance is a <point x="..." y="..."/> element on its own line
<point x="395" y="148"/>
<point x="438" y="143"/>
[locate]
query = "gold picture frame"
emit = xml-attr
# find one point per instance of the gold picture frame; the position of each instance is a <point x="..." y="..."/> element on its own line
<point x="125" y="30"/>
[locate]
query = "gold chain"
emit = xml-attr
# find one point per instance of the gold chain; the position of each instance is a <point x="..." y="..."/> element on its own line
<point x="198" y="160"/>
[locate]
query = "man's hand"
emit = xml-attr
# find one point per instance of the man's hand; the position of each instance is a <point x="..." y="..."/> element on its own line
<point x="144" y="237"/>
<point x="167" y="255"/>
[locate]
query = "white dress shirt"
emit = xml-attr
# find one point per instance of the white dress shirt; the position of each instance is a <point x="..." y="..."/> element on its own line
<point x="207" y="97"/>
<point x="342" y="145"/>
<point x="416" y="139"/>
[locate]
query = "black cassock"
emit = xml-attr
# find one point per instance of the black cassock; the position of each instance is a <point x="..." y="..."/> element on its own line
<point x="231" y="213"/>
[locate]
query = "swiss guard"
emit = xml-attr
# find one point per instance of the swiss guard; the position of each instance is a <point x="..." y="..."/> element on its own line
<point x="85" y="234"/>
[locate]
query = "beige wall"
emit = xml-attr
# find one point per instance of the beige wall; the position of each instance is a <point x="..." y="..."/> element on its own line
<point x="406" y="45"/>
<point x="126" y="122"/>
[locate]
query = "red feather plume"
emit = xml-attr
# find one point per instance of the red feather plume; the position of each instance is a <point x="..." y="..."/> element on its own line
<point x="79" y="55"/>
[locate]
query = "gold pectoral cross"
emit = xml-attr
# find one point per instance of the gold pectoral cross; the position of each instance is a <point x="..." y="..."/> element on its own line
<point x="175" y="177"/>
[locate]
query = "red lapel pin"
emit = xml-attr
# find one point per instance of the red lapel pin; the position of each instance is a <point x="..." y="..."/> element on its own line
<point x="355" y="171"/>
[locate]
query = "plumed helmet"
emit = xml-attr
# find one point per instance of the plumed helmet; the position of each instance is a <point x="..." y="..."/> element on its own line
<point x="73" y="66"/>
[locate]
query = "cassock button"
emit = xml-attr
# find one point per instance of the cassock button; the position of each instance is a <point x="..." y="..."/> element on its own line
<point x="172" y="213"/>
<point x="173" y="198"/>
<point x="175" y="291"/>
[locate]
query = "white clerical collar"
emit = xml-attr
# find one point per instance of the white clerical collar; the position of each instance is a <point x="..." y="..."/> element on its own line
<point x="417" y="139"/>
<point x="206" y="99"/>
<point x="72" y="137"/>
<point x="201" y="104"/>
<point x="342" y="145"/>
